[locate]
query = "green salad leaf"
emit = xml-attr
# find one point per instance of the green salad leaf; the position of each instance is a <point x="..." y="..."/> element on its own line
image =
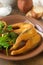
<point x="1" y="27"/>
<point x="13" y="36"/>
<point x="9" y="27"/>
<point x="4" y="43"/>
<point x="7" y="37"/>
<point x="0" y="47"/>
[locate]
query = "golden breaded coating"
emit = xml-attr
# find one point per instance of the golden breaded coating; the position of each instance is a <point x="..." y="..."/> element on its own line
<point x="24" y="36"/>
<point x="31" y="43"/>
<point x="20" y="27"/>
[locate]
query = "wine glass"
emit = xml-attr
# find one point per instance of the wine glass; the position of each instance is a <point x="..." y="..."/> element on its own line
<point x="6" y="7"/>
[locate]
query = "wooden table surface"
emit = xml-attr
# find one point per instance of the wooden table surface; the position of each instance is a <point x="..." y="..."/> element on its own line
<point x="38" y="60"/>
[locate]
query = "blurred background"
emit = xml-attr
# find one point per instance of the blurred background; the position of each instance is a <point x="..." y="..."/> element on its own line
<point x="18" y="6"/>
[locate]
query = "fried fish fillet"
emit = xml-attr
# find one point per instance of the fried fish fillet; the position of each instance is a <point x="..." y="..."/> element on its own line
<point x="20" y="27"/>
<point x="24" y="36"/>
<point x="31" y="43"/>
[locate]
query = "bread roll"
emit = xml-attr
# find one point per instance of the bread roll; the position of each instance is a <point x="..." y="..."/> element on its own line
<point x="35" y="12"/>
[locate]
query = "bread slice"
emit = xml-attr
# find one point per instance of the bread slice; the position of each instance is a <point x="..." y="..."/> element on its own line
<point x="36" y="12"/>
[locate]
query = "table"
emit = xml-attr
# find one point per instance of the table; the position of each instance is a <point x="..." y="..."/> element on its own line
<point x="38" y="60"/>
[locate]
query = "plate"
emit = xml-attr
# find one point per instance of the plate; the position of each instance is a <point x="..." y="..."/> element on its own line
<point x="15" y="19"/>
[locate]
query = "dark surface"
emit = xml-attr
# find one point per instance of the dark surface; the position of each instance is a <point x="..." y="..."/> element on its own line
<point x="38" y="60"/>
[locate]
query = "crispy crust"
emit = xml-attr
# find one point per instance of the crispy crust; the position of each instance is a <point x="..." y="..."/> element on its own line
<point x="24" y="36"/>
<point x="20" y="27"/>
<point x="32" y="38"/>
<point x="31" y="43"/>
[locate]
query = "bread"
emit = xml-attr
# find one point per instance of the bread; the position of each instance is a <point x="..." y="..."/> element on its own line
<point x="35" y="12"/>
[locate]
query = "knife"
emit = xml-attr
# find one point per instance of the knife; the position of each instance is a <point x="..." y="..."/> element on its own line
<point x="38" y="24"/>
